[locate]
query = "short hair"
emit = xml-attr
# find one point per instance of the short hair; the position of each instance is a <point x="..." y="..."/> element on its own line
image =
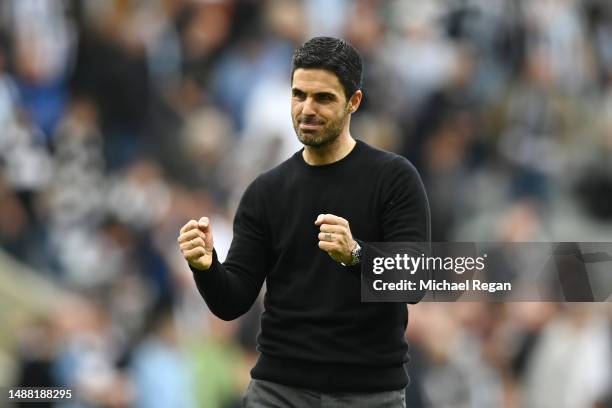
<point x="332" y="54"/>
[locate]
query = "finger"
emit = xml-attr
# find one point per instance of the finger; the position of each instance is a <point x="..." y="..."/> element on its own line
<point x="189" y="235"/>
<point x="198" y="242"/>
<point x="336" y="229"/>
<point x="328" y="246"/>
<point x="189" y="226"/>
<point x="194" y="253"/>
<point x="194" y="243"/>
<point x="329" y="237"/>
<point x="188" y="246"/>
<point x="331" y="219"/>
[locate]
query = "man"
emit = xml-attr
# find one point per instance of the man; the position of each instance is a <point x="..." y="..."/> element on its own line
<point x="303" y="227"/>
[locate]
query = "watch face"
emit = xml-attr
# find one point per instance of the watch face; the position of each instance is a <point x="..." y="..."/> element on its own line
<point x="357" y="249"/>
<point x="356" y="253"/>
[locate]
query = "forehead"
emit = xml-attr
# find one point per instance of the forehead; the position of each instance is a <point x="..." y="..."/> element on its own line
<point x="316" y="80"/>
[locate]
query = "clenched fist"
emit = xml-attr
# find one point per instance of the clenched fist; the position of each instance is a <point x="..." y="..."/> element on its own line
<point x="335" y="237"/>
<point x="196" y="243"/>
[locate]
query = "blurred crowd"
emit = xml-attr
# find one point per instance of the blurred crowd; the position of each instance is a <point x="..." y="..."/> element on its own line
<point x="122" y="119"/>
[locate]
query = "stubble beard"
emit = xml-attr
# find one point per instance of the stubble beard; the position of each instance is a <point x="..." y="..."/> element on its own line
<point x="324" y="137"/>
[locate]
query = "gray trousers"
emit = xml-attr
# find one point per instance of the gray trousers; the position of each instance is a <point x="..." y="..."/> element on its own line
<point x="266" y="394"/>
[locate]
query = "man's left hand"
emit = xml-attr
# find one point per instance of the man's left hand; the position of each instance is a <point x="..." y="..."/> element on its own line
<point x="335" y="237"/>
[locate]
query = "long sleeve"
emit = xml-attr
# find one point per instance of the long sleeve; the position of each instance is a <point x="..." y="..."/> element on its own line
<point x="405" y="215"/>
<point x="230" y="289"/>
<point x="405" y="209"/>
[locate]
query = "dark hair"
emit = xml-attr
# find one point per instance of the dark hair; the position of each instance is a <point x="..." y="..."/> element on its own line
<point x="334" y="55"/>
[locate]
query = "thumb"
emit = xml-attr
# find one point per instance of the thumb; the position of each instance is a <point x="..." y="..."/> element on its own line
<point x="204" y="226"/>
<point x="203" y="223"/>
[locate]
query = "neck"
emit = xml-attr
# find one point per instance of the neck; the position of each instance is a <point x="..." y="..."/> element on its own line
<point x="329" y="153"/>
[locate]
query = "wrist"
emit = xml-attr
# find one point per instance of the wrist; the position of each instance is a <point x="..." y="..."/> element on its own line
<point x="354" y="256"/>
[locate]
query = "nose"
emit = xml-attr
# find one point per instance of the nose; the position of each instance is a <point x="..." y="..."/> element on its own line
<point x="309" y="107"/>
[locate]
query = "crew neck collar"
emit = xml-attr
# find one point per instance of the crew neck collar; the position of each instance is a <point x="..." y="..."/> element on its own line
<point x="358" y="146"/>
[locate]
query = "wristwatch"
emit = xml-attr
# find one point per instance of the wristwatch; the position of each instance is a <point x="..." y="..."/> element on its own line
<point x="355" y="255"/>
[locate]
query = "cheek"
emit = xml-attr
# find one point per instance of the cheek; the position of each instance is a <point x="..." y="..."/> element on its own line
<point x="335" y="114"/>
<point x="295" y="109"/>
<point x="327" y="113"/>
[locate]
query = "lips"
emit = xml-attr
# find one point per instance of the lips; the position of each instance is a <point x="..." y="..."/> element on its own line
<point x="310" y="124"/>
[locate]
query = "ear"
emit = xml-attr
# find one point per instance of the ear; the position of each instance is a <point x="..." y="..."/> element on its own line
<point x="355" y="101"/>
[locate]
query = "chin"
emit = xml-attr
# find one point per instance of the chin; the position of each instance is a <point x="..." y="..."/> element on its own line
<point x="312" y="140"/>
<point x="309" y="139"/>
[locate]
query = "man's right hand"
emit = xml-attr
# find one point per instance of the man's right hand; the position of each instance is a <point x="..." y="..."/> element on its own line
<point x="196" y="243"/>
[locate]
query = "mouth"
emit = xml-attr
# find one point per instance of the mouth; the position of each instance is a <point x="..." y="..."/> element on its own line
<point x="310" y="125"/>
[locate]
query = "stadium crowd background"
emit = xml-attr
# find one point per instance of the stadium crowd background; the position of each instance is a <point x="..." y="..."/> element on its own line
<point x="122" y="119"/>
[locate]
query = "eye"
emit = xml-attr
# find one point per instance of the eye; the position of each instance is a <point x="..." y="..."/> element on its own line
<point x="326" y="97"/>
<point x="299" y="95"/>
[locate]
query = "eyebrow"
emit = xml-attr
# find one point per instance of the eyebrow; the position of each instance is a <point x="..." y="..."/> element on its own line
<point x="317" y="94"/>
<point x="326" y="95"/>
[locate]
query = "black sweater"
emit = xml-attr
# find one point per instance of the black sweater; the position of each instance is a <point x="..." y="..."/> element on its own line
<point x="315" y="332"/>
